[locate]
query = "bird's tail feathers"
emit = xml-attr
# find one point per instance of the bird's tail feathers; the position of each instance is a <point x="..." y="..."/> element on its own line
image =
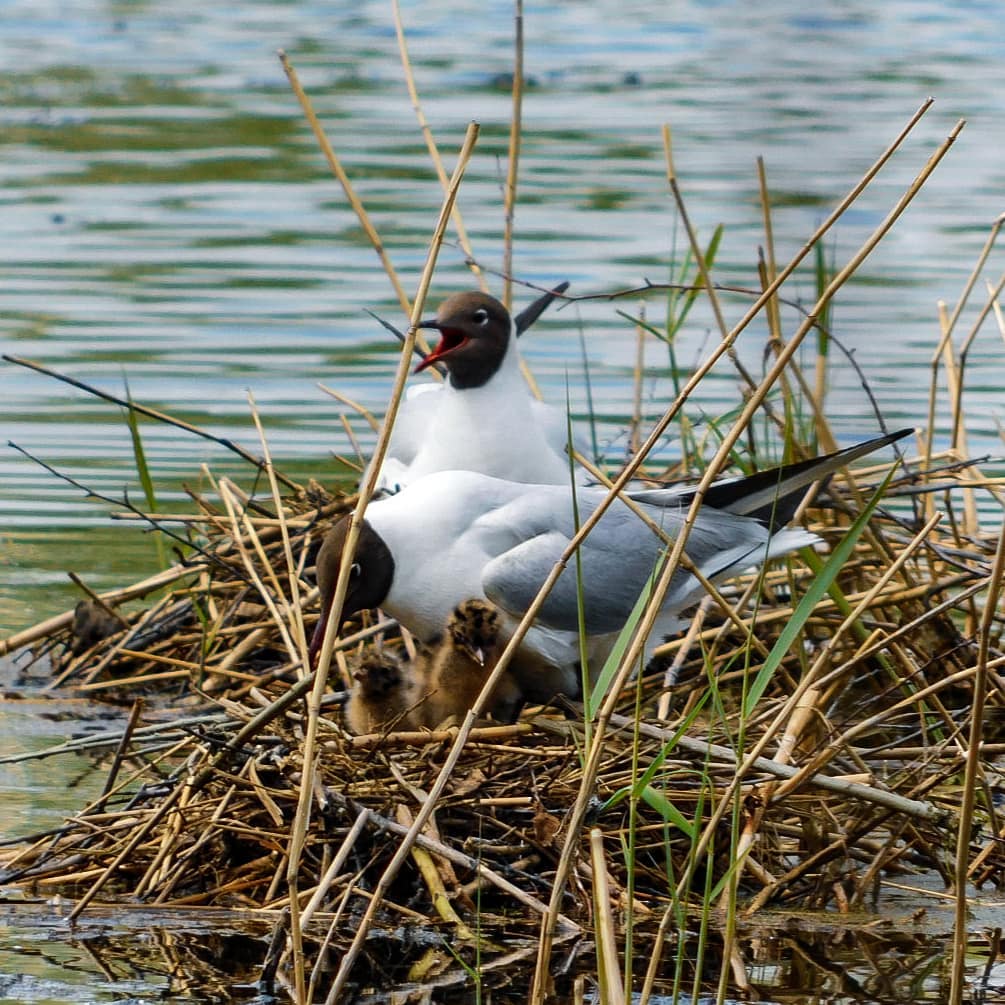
<point x="772" y="497"/>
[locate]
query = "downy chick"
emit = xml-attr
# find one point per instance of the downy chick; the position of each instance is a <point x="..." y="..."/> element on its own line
<point x="456" y="670"/>
<point x="382" y="696"/>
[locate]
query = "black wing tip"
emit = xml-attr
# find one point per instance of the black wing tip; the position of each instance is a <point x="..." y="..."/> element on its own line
<point x="533" y="311"/>
<point x="779" y="510"/>
<point x="881" y="441"/>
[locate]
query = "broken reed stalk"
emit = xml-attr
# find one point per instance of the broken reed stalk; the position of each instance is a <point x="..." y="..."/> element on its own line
<point x="513" y="160"/>
<point x="631" y="657"/>
<point x="367" y="415"/>
<point x="948" y="326"/>
<point x="434" y="151"/>
<point x="973" y="774"/>
<point x="303" y="810"/>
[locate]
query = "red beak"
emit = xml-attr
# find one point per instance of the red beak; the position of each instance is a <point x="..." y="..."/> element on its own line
<point x="319" y="636"/>
<point x="450" y="339"/>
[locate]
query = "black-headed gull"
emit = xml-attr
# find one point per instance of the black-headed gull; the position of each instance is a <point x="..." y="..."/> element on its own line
<point x="483" y="417"/>
<point x="456" y="535"/>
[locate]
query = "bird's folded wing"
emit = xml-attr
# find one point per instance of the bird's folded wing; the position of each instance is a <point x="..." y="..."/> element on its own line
<point x="616" y="562"/>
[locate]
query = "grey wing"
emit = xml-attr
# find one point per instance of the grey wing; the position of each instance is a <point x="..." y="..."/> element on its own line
<point x="616" y="562"/>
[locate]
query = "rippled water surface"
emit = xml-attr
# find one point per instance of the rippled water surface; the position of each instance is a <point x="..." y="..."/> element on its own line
<point x="169" y="226"/>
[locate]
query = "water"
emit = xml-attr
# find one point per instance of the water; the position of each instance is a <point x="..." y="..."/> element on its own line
<point x="126" y="956"/>
<point x="168" y="223"/>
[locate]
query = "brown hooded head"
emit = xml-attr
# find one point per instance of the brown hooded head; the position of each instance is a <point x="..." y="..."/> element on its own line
<point x="474" y="336"/>
<point x="369" y="577"/>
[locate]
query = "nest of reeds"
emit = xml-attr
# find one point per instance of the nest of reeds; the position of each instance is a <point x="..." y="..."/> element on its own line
<point x="853" y="783"/>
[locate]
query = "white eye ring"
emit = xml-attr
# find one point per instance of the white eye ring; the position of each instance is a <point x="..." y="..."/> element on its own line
<point x="480" y="316"/>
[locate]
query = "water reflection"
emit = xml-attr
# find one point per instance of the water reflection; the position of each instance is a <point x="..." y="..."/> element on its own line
<point x="127" y="956"/>
<point x="32" y="803"/>
<point x="217" y="956"/>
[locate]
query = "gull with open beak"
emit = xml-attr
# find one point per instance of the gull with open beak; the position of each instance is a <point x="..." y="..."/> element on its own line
<point x="483" y="417"/>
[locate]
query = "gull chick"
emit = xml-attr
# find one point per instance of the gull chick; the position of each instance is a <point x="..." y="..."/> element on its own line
<point x="457" y="669"/>
<point x="382" y="697"/>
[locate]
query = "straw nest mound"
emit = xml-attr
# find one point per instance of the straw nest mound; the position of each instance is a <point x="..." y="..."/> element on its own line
<point x="823" y="763"/>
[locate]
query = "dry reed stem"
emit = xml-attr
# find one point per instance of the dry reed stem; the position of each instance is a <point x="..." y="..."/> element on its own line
<point x="974" y="773"/>
<point x="434" y="882"/>
<point x="227" y="494"/>
<point x="344" y="399"/>
<point x="706" y="280"/>
<point x="645" y="627"/>
<point x="360" y="463"/>
<point x="260" y="522"/>
<point x="293" y="609"/>
<point x="608" y="970"/>
<point x="996" y="307"/>
<point x="975" y="272"/>
<point x="434" y="150"/>
<point x="638" y="373"/>
<point x="366" y="491"/>
<point x="343" y="179"/>
<point x="772" y="308"/>
<point x="513" y="158"/>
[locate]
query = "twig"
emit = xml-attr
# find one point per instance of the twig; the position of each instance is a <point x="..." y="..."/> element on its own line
<point x="336" y="166"/>
<point x="151" y="413"/>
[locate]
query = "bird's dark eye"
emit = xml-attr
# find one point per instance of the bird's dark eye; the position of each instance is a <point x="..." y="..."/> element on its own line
<point x="480" y="316"/>
<point x="354" y="569"/>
